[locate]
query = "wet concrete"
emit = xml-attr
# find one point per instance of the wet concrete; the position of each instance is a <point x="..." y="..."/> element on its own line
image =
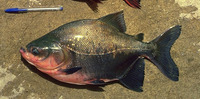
<point x="19" y="80"/>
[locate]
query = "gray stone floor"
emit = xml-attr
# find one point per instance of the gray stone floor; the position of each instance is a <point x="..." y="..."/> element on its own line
<point x="18" y="80"/>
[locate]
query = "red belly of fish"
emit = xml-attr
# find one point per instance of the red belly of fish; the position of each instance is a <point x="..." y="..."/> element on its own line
<point x="75" y="78"/>
<point x="78" y="79"/>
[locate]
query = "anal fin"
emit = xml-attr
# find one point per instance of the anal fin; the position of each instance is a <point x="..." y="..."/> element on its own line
<point x="135" y="77"/>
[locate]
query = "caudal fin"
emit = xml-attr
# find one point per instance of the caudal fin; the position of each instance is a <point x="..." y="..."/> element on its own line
<point x="161" y="56"/>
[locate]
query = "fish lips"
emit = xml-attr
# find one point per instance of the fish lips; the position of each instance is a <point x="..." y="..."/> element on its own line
<point x="24" y="53"/>
<point x="22" y="50"/>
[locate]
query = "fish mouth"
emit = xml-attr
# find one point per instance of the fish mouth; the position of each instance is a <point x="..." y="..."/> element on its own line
<point x="22" y="50"/>
<point x="25" y="55"/>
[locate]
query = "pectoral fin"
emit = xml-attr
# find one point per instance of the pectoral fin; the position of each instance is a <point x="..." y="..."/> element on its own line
<point x="72" y="70"/>
<point x="98" y="82"/>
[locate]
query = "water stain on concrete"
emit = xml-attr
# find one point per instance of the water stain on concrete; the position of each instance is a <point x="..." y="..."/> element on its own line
<point x="6" y="77"/>
<point x="192" y="14"/>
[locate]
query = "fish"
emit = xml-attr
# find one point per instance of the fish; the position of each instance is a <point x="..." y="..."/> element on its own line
<point x="93" y="4"/>
<point x="133" y="3"/>
<point x="97" y="51"/>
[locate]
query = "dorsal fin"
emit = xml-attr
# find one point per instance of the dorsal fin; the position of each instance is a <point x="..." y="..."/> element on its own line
<point x="116" y="20"/>
<point x="139" y="37"/>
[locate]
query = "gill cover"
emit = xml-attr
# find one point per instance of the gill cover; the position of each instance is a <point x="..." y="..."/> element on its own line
<point x="47" y="57"/>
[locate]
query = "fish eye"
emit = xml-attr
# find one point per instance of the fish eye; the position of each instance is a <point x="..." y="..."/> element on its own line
<point x="35" y="51"/>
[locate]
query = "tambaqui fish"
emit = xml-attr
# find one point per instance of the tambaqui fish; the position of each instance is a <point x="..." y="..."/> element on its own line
<point x="96" y="51"/>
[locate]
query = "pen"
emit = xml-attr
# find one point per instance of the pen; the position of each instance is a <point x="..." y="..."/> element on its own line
<point x="23" y="10"/>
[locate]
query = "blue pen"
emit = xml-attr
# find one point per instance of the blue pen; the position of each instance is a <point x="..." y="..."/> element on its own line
<point x="22" y="10"/>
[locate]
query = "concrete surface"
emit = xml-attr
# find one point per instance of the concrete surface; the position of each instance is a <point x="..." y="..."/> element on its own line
<point x="19" y="80"/>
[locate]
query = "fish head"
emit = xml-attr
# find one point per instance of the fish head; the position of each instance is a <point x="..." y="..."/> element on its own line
<point x="45" y="55"/>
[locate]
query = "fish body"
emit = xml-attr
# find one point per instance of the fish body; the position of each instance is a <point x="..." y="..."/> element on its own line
<point x="96" y="51"/>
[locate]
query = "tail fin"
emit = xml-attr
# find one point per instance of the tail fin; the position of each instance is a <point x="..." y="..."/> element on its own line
<point x="161" y="56"/>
